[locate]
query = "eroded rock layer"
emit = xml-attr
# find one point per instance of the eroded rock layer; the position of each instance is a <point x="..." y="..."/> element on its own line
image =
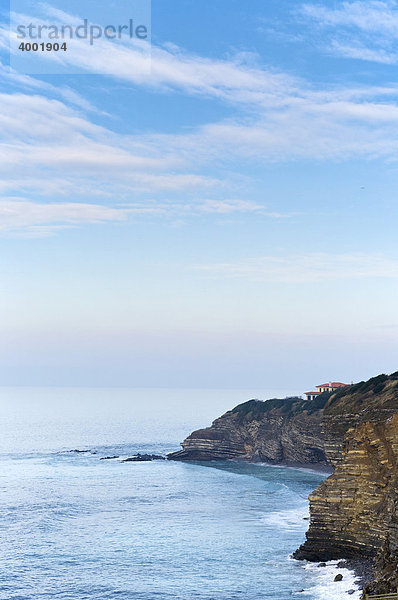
<point x="292" y="430"/>
<point x="354" y="512"/>
<point x="351" y="509"/>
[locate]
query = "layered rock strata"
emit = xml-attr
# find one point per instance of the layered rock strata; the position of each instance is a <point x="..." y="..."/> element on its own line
<point x="292" y="430"/>
<point x="354" y="512"/>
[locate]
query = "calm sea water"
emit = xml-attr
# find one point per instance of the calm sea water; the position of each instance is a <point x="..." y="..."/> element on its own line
<point x="75" y="527"/>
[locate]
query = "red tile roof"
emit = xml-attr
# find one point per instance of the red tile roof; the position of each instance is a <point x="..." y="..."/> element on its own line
<point x="333" y="384"/>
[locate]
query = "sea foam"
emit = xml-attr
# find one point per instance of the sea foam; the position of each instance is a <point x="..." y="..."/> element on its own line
<point x="328" y="589"/>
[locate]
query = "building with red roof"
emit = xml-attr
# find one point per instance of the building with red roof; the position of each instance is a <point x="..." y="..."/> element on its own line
<point x="332" y="386"/>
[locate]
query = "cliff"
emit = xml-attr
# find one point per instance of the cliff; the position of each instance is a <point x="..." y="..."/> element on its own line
<point x="293" y="430"/>
<point x="354" y="512"/>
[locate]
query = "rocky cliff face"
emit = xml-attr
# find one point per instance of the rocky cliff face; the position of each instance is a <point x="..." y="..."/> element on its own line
<point x="293" y="430"/>
<point x="277" y="431"/>
<point x="354" y="512"/>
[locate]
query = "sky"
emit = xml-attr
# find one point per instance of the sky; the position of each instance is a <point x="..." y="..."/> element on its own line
<point x="218" y="213"/>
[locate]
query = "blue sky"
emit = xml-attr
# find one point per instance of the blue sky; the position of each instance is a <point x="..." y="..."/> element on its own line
<point x="227" y="218"/>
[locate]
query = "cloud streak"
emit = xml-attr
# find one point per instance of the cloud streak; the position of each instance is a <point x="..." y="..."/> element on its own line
<point x="51" y="145"/>
<point x="306" y="268"/>
<point x="38" y="219"/>
<point x="370" y="15"/>
<point x="363" y="29"/>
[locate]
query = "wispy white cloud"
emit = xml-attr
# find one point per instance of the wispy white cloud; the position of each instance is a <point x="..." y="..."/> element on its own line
<point x="35" y="219"/>
<point x="220" y="207"/>
<point x="238" y="79"/>
<point x="306" y="268"/>
<point x="43" y="140"/>
<point x="363" y="29"/>
<point x="367" y="15"/>
<point x="11" y="79"/>
<point x="38" y="219"/>
<point x="227" y="206"/>
<point x="47" y="145"/>
<point x="359" y="51"/>
<point x="168" y="67"/>
<point x="52" y="144"/>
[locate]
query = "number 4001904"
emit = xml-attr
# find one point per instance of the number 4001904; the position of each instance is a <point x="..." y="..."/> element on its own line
<point x="48" y="47"/>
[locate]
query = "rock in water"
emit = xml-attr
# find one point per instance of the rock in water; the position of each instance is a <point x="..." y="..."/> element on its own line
<point x="144" y="458"/>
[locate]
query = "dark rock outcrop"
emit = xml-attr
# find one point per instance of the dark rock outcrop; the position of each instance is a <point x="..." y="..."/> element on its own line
<point x="354" y="512"/>
<point x="144" y="458"/>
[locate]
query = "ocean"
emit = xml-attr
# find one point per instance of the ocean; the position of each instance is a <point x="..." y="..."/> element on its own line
<point x="75" y="527"/>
